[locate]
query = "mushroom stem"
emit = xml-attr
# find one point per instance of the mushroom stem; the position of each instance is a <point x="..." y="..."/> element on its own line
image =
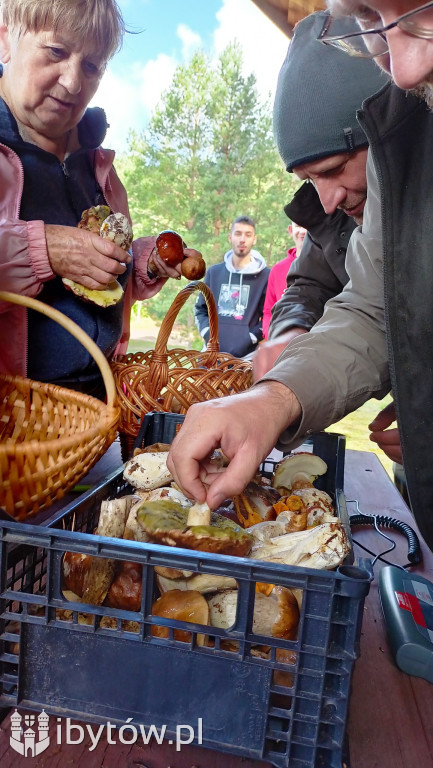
<point x="198" y="514"/>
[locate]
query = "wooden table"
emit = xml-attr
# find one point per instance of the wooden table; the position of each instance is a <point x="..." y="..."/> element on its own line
<point x="390" y="715"/>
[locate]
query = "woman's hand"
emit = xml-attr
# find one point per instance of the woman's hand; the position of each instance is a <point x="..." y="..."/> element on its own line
<point x="162" y="269"/>
<point x="84" y="257"/>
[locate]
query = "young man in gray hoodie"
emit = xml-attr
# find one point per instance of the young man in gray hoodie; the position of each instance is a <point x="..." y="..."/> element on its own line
<point x="239" y="286"/>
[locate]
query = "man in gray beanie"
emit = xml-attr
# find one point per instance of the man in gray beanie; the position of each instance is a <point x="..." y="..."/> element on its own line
<point x="320" y="140"/>
<point x="318" y="95"/>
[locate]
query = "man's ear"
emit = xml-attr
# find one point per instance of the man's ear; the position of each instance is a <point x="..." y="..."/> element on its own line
<point x="290" y="230"/>
<point x="5" y="46"/>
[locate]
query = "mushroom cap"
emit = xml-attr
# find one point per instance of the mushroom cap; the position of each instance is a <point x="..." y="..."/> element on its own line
<point x="301" y="464"/>
<point x="165" y="522"/>
<point x="147" y="471"/>
<point x="182" y="606"/>
<point x="117" y="228"/>
<point x="170" y="245"/>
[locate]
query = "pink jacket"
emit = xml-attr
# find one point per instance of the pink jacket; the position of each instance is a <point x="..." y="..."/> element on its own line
<point x="24" y="263"/>
<point x="276" y="286"/>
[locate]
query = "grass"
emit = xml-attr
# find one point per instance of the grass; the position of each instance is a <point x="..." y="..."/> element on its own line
<point x="355" y="428"/>
<point x="140" y="345"/>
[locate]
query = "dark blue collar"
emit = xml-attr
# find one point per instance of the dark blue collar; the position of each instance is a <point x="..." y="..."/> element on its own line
<point x="91" y="128"/>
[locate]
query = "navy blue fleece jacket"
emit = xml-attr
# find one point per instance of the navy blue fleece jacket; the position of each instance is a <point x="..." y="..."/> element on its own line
<point x="239" y="296"/>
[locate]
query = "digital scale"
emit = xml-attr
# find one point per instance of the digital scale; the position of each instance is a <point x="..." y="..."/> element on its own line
<point x="407" y="605"/>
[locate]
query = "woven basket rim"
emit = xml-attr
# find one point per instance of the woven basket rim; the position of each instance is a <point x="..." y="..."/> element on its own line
<point x="107" y="417"/>
<point x="56" y="389"/>
<point x="12" y="448"/>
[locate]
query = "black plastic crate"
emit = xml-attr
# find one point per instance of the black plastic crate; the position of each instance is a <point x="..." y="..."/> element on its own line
<point x="101" y="674"/>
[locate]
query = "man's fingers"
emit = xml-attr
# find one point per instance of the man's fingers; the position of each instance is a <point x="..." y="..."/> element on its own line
<point x="386" y="437"/>
<point x="383" y="419"/>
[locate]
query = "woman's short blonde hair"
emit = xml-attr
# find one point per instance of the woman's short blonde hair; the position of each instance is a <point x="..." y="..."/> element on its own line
<point x="97" y="20"/>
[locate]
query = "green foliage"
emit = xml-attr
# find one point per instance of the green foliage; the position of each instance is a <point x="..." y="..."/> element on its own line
<point x="207" y="156"/>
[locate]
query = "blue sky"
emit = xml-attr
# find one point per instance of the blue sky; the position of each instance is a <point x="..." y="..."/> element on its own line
<point x="170" y="31"/>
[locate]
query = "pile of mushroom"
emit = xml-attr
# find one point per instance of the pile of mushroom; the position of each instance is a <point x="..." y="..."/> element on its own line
<point x="288" y="521"/>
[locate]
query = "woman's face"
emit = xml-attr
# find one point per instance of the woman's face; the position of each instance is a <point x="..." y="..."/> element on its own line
<point x="48" y="79"/>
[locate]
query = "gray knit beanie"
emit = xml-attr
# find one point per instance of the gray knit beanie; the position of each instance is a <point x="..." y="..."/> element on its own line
<point x="319" y="91"/>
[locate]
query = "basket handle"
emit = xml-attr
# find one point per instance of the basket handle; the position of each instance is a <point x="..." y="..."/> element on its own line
<point x="168" y="322"/>
<point x="158" y="367"/>
<point x="74" y="330"/>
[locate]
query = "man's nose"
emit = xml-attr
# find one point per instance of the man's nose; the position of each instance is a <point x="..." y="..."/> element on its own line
<point x="331" y="194"/>
<point x="411" y="59"/>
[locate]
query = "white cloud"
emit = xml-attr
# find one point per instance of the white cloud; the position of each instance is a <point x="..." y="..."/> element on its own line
<point x="155" y="77"/>
<point x="129" y="101"/>
<point x="191" y="41"/>
<point x="264" y="45"/>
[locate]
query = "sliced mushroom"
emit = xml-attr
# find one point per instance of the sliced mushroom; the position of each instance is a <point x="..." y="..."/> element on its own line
<point x="100" y="575"/>
<point x="255" y="504"/>
<point x="206" y="583"/>
<point x="301" y="466"/>
<point x="323" y="547"/>
<point x="275" y="615"/>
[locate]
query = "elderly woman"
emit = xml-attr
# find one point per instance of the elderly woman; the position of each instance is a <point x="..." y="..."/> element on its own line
<point x="52" y="167"/>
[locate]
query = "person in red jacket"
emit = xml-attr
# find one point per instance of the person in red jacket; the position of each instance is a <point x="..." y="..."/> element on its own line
<point x="277" y="281"/>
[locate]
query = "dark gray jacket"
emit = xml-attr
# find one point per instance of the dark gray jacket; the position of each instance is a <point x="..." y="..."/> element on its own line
<point x="318" y="273"/>
<point x="378" y="333"/>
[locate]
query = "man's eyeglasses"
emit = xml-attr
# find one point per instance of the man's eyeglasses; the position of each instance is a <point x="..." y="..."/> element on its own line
<point x="369" y="43"/>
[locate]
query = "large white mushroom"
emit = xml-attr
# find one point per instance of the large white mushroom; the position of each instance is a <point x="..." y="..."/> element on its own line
<point x="297" y="470"/>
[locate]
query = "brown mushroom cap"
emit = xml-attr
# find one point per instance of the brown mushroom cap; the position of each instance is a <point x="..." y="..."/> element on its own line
<point x="165" y="522"/>
<point x="183" y="606"/>
<point x="170" y="245"/>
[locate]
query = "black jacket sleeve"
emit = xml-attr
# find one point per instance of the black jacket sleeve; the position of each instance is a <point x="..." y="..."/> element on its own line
<point x="257" y="328"/>
<point x="318" y="273"/>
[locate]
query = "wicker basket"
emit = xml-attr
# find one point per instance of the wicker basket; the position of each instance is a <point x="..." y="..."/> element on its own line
<point x="171" y="381"/>
<point x="50" y="436"/>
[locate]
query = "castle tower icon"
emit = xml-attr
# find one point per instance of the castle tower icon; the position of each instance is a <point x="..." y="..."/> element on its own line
<point x="29" y="747"/>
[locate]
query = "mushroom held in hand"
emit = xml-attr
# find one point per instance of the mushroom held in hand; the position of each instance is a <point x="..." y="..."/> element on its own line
<point x="166" y="522"/>
<point x="169" y="246"/>
<point x="114" y="227"/>
<point x="298" y="470"/>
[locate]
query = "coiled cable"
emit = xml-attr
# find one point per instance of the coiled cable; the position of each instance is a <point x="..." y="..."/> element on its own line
<point x="414" y="549"/>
